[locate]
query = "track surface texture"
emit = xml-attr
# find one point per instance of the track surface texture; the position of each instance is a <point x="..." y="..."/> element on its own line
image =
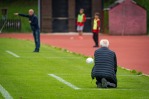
<point x="132" y="51"/>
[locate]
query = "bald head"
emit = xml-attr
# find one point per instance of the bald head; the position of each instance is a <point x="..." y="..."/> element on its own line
<point x="104" y="43"/>
<point x="30" y="12"/>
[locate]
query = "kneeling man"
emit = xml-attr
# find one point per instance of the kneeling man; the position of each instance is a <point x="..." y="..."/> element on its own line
<point x="105" y="67"/>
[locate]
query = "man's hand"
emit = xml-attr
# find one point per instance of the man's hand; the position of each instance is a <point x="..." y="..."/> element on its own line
<point x="29" y="21"/>
<point x="16" y="13"/>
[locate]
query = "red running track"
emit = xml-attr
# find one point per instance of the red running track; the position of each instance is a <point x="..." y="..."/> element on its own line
<point x="132" y="51"/>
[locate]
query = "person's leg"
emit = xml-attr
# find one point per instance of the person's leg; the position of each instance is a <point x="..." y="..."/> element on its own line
<point x="80" y="33"/>
<point x="111" y="83"/>
<point x="108" y="83"/>
<point x="104" y="83"/>
<point x="96" y="39"/>
<point x="98" y="82"/>
<point x="78" y="29"/>
<point x="37" y="40"/>
<point x="34" y="36"/>
<point x="81" y="30"/>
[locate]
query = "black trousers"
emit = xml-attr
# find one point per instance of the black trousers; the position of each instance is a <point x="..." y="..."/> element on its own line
<point x="36" y="35"/>
<point x="95" y="38"/>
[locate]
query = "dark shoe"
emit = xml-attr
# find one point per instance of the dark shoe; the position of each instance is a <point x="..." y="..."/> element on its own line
<point x="104" y="83"/>
<point x="111" y="85"/>
<point x="99" y="85"/>
<point x="96" y="46"/>
<point x="36" y="51"/>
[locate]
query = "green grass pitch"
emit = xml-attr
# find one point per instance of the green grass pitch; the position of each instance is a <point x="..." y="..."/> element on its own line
<point x="27" y="77"/>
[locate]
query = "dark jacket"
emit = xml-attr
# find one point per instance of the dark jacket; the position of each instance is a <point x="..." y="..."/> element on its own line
<point x="34" y="21"/>
<point x="105" y="64"/>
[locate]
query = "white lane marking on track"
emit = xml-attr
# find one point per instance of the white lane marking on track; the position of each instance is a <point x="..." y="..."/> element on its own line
<point x="64" y="81"/>
<point x="5" y="93"/>
<point x="13" y="54"/>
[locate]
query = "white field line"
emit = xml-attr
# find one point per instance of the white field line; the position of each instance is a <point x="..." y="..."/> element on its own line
<point x="5" y="93"/>
<point x="64" y="81"/>
<point x="69" y="57"/>
<point x="13" y="54"/>
<point x="115" y="89"/>
<point x="130" y="75"/>
<point x="57" y="57"/>
<point x="90" y="75"/>
<point x="76" y="88"/>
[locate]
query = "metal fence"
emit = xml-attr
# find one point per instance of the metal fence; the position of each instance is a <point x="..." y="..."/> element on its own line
<point x="10" y="24"/>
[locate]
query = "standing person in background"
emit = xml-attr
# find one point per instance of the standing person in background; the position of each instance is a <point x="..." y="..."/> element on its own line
<point x="80" y="23"/>
<point x="33" y="20"/>
<point x="96" y="28"/>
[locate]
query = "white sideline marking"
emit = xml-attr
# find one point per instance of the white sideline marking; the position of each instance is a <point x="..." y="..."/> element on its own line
<point x="64" y="81"/>
<point x="58" y="57"/>
<point x="89" y="75"/>
<point x="66" y="57"/>
<point x="114" y="89"/>
<point x="5" y="93"/>
<point x="130" y="75"/>
<point x="76" y="88"/>
<point x="13" y="54"/>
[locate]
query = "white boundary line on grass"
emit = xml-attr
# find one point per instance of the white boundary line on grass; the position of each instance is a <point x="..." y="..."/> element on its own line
<point x="64" y="81"/>
<point x="13" y="54"/>
<point x="69" y="57"/>
<point x="5" y="93"/>
<point x="90" y="75"/>
<point x="76" y="88"/>
<point x="114" y="89"/>
<point x="130" y="75"/>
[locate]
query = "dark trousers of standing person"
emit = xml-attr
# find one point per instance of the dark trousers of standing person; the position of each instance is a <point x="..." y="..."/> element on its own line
<point x="36" y="35"/>
<point x="95" y="38"/>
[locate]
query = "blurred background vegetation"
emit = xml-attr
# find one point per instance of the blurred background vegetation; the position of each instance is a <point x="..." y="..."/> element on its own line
<point x="145" y="4"/>
<point x="20" y="6"/>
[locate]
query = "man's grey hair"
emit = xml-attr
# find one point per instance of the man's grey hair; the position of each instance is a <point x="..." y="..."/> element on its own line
<point x="31" y="10"/>
<point x="104" y="43"/>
